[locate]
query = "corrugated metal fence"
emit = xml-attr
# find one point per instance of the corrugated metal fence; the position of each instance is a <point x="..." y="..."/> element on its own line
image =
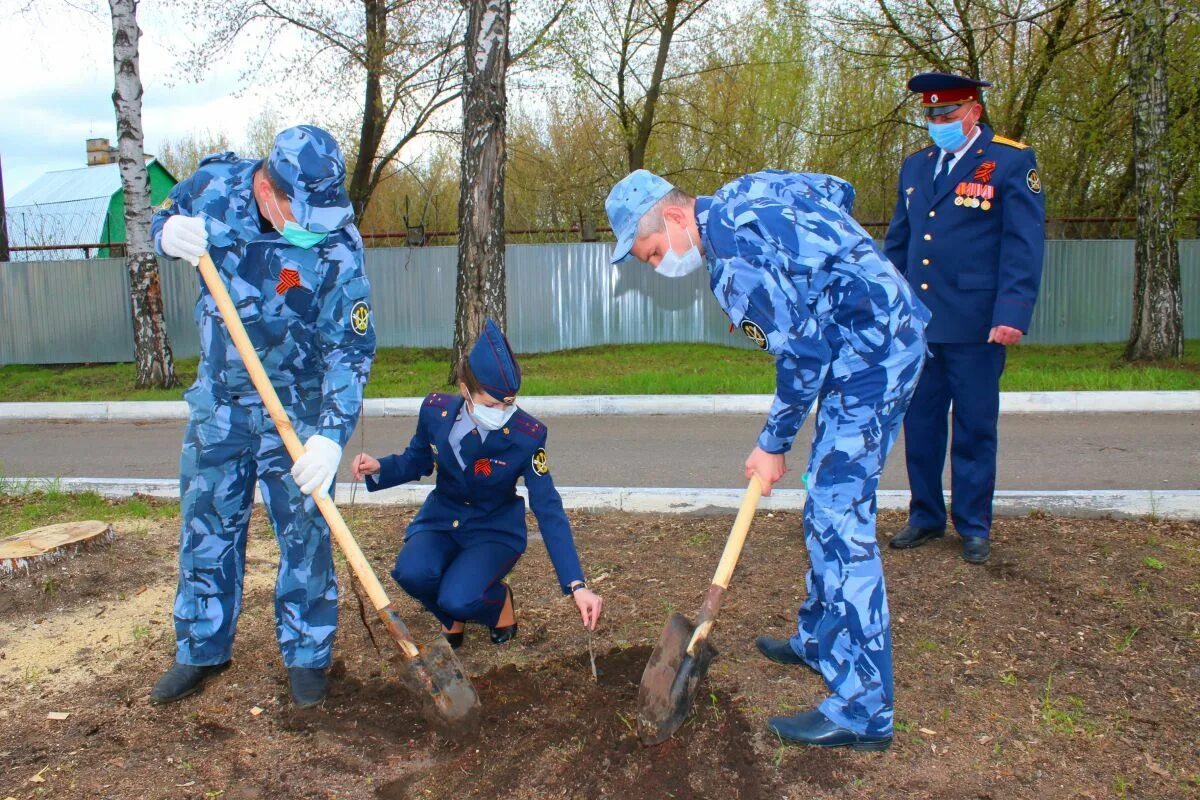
<point x="559" y="296"/>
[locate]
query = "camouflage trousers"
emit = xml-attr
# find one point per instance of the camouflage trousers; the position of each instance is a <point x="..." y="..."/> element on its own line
<point x="230" y="445"/>
<point x="844" y="630"/>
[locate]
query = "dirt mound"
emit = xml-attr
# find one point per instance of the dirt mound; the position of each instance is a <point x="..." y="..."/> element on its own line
<point x="586" y="726"/>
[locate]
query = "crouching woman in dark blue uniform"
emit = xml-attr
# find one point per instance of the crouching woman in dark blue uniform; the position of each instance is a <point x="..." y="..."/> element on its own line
<point x="471" y="530"/>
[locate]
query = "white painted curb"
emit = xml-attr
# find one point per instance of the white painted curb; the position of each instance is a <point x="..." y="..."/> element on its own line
<point x="630" y="405"/>
<point x="1181" y="504"/>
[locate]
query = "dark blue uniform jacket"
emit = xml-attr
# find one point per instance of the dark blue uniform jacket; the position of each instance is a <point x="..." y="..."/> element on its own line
<point x="480" y="502"/>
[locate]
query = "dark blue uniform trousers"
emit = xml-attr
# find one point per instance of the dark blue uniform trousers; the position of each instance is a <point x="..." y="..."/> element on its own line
<point x="966" y="375"/>
<point x="456" y="581"/>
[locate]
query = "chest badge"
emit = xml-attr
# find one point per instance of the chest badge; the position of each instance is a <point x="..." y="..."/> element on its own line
<point x="483" y="466"/>
<point x="288" y="279"/>
<point x="755" y="333"/>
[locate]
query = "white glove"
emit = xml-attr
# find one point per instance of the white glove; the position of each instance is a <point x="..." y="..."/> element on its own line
<point x="315" y="470"/>
<point x="185" y="237"/>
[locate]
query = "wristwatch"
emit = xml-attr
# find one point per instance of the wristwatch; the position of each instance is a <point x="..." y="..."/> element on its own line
<point x="575" y="586"/>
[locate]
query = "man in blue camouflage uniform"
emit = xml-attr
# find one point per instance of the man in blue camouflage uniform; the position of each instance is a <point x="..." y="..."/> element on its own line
<point x="797" y="274"/>
<point x="968" y="234"/>
<point x="281" y="234"/>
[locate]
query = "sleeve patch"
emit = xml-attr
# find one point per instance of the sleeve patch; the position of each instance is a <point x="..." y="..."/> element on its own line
<point x="360" y="318"/>
<point x="541" y="464"/>
<point x="1033" y="181"/>
<point x="755" y="333"/>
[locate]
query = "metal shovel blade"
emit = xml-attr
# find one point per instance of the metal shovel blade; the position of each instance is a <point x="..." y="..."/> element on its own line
<point x="436" y="677"/>
<point x="670" y="681"/>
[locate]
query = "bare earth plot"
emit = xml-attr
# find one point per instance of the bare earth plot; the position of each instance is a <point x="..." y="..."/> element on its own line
<point x="1068" y="667"/>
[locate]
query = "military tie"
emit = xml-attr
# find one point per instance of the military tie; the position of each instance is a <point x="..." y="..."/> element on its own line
<point x="939" y="178"/>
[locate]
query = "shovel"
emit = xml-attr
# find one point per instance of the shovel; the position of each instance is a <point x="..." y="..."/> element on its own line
<point x="431" y="671"/>
<point x="683" y="654"/>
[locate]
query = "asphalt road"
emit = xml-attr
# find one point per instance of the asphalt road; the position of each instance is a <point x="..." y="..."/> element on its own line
<point x="1045" y="452"/>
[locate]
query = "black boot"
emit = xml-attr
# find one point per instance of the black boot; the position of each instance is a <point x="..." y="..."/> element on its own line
<point x="308" y="686"/>
<point x="183" y="679"/>
<point x="780" y="651"/>
<point x="976" y="549"/>
<point x="816" y="730"/>
<point x="915" y="537"/>
<point x="508" y="632"/>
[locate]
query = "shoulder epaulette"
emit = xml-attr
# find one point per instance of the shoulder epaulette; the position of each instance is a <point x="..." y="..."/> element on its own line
<point x="524" y="423"/>
<point x="928" y="149"/>
<point x="439" y="400"/>
<point x="1009" y="142"/>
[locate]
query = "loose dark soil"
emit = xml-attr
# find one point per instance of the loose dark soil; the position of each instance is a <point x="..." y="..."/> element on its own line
<point x="1068" y="667"/>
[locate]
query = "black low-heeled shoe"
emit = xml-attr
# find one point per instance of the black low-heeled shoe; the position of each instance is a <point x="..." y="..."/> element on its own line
<point x="508" y="632"/>
<point x="455" y="640"/>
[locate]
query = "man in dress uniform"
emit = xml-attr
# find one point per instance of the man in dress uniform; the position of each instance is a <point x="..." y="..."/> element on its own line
<point x="968" y="233"/>
<point x="281" y="233"/>
<point x="802" y="279"/>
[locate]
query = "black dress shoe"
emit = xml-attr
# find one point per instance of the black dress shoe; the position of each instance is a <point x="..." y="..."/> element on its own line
<point x="780" y="651"/>
<point x="183" y="679"/>
<point x="915" y="537"/>
<point x="308" y="686"/>
<point x="976" y="549"/>
<point x="455" y="640"/>
<point x="508" y="632"/>
<point x="816" y="730"/>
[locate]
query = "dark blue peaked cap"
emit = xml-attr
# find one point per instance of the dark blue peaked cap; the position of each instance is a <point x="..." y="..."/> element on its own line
<point x="494" y="364"/>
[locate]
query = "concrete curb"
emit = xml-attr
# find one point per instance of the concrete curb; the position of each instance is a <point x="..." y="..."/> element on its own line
<point x="1172" y="504"/>
<point x="629" y="405"/>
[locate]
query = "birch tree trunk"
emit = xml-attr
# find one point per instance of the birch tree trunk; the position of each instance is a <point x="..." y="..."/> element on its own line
<point x="481" y="282"/>
<point x="1157" y="329"/>
<point x="151" y="348"/>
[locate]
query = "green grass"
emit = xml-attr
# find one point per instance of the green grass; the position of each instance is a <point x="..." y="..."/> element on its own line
<point x="45" y="507"/>
<point x="627" y="369"/>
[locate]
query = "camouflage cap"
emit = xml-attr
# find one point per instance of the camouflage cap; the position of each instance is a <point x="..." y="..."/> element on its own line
<point x="307" y="165"/>
<point x="628" y="202"/>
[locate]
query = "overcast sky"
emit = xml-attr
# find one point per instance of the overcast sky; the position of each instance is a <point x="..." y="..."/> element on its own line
<point x="59" y="81"/>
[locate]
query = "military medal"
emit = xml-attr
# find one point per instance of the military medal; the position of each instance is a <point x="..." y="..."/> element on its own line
<point x="959" y="191"/>
<point x="989" y="192"/>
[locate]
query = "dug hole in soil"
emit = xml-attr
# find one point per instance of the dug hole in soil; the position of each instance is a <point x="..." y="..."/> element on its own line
<point x="1067" y="667"/>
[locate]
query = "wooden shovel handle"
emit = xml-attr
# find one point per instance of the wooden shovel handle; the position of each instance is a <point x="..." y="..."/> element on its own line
<point x="729" y="559"/>
<point x="737" y="536"/>
<point x="258" y="376"/>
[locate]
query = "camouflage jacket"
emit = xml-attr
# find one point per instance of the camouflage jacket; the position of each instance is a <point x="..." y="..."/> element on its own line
<point x="804" y="281"/>
<point x="306" y="311"/>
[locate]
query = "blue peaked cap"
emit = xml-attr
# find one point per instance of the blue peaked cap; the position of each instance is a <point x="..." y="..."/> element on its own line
<point x="307" y="165"/>
<point x="628" y="202"/>
<point x="494" y="364"/>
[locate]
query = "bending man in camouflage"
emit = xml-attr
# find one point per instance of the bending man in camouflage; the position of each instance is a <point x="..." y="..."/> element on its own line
<point x="804" y="281"/>
<point x="281" y="234"/>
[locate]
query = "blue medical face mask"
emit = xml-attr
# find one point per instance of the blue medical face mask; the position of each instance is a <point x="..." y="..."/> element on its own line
<point x="674" y="265"/>
<point x="296" y="235"/>
<point x="301" y="237"/>
<point x="488" y="418"/>
<point x="947" y="135"/>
